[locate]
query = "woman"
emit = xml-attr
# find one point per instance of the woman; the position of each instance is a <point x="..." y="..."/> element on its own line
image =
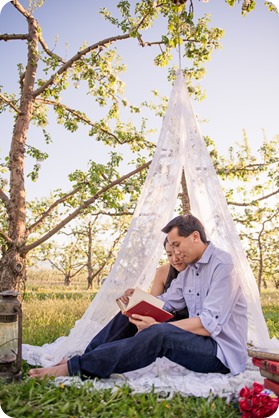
<point x="165" y="274"/>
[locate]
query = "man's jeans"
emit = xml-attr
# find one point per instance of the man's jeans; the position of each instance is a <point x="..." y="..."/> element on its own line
<point x="118" y="348"/>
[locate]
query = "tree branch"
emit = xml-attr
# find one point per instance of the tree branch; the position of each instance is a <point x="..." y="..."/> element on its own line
<point x="9" y="102"/>
<point x="14" y="36"/>
<point x="255" y="200"/>
<point x="112" y="214"/>
<point x="21" y="9"/>
<point x="76" y="57"/>
<point x="248" y="167"/>
<point x="6" y="237"/>
<point x="48" y="51"/>
<point x="26" y="248"/>
<point x="85" y="119"/>
<point x="50" y="209"/>
<point x="78" y="114"/>
<point x="77" y="271"/>
<point x="106" y="259"/>
<point x="56" y="266"/>
<point x="4" y="198"/>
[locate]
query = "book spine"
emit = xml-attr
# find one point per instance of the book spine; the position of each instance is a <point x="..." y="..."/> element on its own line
<point x="268" y="365"/>
<point x="269" y="384"/>
<point x="270" y="376"/>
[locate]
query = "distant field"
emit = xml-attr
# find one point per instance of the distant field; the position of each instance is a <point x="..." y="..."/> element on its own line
<point x="50" y="280"/>
<point x="52" y="308"/>
<point x="54" y="281"/>
<point x="269" y="296"/>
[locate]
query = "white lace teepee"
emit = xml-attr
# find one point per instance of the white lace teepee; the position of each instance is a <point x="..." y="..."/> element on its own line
<point x="180" y="145"/>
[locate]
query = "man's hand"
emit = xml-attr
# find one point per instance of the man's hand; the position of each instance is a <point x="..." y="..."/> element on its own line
<point x="142" y="322"/>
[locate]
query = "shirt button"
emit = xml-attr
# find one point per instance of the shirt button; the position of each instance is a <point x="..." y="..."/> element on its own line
<point x="189" y="290"/>
<point x="198" y="313"/>
<point x="197" y="274"/>
<point x="198" y="294"/>
<point x="216" y="316"/>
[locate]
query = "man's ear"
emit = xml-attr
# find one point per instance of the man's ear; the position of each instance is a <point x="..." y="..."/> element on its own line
<point x="196" y="236"/>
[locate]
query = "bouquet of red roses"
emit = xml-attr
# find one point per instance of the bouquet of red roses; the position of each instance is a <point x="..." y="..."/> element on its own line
<point x="257" y="402"/>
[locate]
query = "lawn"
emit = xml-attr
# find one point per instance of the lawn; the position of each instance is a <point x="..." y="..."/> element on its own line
<point x="48" y="314"/>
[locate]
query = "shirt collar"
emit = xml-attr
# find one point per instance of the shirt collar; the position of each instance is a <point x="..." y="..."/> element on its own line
<point x="206" y="255"/>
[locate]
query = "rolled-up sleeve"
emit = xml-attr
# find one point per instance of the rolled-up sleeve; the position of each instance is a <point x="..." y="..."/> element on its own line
<point x="211" y="323"/>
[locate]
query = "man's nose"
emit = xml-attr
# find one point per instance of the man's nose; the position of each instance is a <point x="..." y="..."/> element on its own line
<point x="176" y="251"/>
<point x="175" y="257"/>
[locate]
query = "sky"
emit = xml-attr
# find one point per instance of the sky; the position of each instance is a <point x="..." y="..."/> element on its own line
<point x="241" y="83"/>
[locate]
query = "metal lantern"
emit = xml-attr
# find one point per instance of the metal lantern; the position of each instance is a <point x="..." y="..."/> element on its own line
<point x="10" y="335"/>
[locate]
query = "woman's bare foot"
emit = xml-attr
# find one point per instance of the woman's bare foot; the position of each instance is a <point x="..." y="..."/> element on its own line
<point x="55" y="371"/>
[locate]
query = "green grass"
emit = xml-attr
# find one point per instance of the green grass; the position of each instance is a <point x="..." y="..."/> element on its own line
<point x="40" y="399"/>
<point x="47" y="317"/>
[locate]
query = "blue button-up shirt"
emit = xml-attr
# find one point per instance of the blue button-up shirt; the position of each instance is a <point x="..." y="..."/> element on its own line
<point x="211" y="290"/>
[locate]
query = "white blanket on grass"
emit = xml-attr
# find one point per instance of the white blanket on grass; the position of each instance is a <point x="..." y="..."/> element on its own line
<point x="165" y="378"/>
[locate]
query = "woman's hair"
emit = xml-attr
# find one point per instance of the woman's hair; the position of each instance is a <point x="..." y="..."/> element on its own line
<point x="186" y="225"/>
<point x="172" y="274"/>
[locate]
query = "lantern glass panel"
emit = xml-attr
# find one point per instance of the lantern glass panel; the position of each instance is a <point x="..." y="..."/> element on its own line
<point x="8" y="341"/>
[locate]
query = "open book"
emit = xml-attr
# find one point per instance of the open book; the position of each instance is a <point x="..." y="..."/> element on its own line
<point x="143" y="303"/>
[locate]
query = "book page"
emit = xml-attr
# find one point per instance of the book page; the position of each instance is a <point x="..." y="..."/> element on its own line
<point x="140" y="295"/>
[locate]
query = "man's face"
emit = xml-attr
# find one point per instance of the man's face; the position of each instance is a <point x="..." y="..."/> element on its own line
<point x="186" y="248"/>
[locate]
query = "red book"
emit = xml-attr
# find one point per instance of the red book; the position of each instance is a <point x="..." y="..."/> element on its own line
<point x="269" y="384"/>
<point x="271" y="366"/>
<point x="144" y="304"/>
<point x="146" y="309"/>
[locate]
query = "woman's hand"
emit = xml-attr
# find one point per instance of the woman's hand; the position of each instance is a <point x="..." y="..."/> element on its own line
<point x="142" y="322"/>
<point x="125" y="297"/>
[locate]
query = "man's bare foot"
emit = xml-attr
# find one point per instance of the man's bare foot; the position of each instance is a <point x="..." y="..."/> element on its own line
<point x="55" y="371"/>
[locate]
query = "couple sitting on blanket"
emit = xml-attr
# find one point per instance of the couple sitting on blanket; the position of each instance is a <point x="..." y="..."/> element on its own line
<point x="210" y="338"/>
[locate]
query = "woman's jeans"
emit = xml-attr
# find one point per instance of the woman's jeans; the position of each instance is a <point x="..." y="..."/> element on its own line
<point x="119" y="348"/>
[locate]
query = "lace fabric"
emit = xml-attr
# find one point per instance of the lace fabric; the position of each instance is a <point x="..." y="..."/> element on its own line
<point x="180" y="145"/>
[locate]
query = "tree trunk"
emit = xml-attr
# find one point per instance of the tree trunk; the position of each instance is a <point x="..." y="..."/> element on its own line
<point x="12" y="264"/>
<point x="13" y="269"/>
<point x="67" y="279"/>
<point x="186" y="207"/>
<point x="89" y="258"/>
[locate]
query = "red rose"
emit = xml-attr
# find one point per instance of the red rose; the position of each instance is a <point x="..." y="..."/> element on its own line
<point x="245" y="392"/>
<point x="257" y="401"/>
<point x="244" y="405"/>
<point x="257" y="388"/>
<point x="267" y="402"/>
<point x="247" y="415"/>
<point x="258" y="413"/>
<point x="272" y="407"/>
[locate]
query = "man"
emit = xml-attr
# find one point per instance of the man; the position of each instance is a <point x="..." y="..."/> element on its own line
<point x="212" y="340"/>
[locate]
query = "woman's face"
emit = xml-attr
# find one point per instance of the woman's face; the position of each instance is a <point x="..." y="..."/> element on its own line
<point x="174" y="260"/>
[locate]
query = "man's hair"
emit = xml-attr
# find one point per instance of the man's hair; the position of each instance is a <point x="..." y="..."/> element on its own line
<point x="186" y="225"/>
